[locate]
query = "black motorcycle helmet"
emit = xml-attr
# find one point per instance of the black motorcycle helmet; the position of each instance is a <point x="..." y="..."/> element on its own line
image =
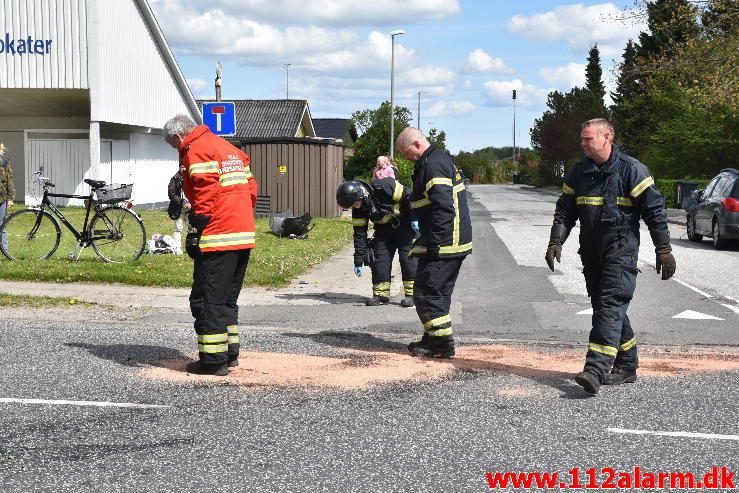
<point x="349" y="192"/>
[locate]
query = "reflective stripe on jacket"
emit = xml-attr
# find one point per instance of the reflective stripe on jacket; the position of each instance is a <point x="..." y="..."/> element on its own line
<point x="218" y="183"/>
<point x="440" y="205"/>
<point x="391" y="211"/>
<point x="609" y="200"/>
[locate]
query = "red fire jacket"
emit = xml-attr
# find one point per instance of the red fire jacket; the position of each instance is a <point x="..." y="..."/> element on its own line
<point x="218" y="183"/>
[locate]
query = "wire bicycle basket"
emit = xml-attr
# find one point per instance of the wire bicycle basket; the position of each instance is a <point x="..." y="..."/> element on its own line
<point x="114" y="193"/>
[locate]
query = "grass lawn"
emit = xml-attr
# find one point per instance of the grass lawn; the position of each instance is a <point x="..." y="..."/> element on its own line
<point x="274" y="262"/>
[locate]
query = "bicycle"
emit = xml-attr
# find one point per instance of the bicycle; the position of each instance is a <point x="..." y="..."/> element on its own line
<point x="115" y="232"/>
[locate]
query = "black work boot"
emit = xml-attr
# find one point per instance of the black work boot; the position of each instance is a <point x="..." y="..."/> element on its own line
<point x="619" y="376"/>
<point x="198" y="368"/>
<point x="413" y="345"/>
<point x="232" y="361"/>
<point x="588" y="381"/>
<point x="443" y="349"/>
<point x="407" y="302"/>
<point x="377" y="300"/>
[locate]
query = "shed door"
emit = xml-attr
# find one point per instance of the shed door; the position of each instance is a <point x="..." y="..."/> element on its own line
<point x="66" y="162"/>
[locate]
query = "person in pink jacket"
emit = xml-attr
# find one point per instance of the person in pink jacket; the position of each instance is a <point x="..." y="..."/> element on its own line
<point x="384" y="169"/>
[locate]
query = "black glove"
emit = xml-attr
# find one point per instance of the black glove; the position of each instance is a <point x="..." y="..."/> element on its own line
<point x="557" y="237"/>
<point x="432" y="252"/>
<point x="665" y="262"/>
<point x="554" y="250"/>
<point x="198" y="221"/>
<point x="192" y="245"/>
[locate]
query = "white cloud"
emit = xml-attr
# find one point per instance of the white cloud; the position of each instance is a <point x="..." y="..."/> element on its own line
<point x="328" y="12"/>
<point x="499" y="93"/>
<point x="449" y="108"/>
<point x="191" y="32"/>
<point x="428" y="75"/>
<point x="565" y="78"/>
<point x="478" y="61"/>
<point x="196" y="85"/>
<point x="579" y="26"/>
<point x="467" y="84"/>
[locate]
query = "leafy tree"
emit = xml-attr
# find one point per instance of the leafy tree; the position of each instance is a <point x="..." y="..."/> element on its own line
<point x="374" y="127"/>
<point x="437" y="138"/>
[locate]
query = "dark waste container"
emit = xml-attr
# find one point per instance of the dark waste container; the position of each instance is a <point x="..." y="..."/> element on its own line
<point x="516" y="178"/>
<point x="683" y="189"/>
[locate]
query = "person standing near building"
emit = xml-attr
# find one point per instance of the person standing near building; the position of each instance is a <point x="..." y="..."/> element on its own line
<point x="219" y="185"/>
<point x="179" y="207"/>
<point x="609" y="192"/>
<point x="7" y="190"/>
<point x="440" y="206"/>
<point x="386" y="203"/>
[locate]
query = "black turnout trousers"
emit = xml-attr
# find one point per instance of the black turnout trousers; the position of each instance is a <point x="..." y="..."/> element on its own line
<point x="435" y="280"/>
<point x="217" y="280"/>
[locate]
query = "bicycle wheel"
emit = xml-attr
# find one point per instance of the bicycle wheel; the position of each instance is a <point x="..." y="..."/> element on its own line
<point x="31" y="234"/>
<point x="117" y="235"/>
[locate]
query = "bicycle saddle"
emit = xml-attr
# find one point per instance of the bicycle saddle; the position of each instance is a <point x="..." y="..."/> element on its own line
<point x="95" y="183"/>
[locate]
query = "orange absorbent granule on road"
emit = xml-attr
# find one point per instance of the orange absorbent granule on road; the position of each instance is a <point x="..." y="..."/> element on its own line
<point x="356" y="369"/>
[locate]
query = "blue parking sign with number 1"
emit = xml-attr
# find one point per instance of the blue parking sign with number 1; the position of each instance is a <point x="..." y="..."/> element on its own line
<point x="220" y="117"/>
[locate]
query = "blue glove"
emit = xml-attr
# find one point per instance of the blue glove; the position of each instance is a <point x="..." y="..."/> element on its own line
<point x="415" y="228"/>
<point x="358" y="270"/>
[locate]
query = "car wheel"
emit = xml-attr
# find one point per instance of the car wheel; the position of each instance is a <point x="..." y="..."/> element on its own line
<point x="692" y="235"/>
<point x="718" y="242"/>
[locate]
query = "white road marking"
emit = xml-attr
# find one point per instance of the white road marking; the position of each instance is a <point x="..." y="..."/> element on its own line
<point x="684" y="434"/>
<point x="589" y="311"/>
<point x="702" y="293"/>
<point x="733" y="308"/>
<point x="11" y="400"/>
<point x="693" y="315"/>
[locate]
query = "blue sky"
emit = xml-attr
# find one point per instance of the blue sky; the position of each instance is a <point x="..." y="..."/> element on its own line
<point x="465" y="55"/>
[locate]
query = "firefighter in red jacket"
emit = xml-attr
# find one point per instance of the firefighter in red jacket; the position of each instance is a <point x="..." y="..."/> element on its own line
<point x="222" y="191"/>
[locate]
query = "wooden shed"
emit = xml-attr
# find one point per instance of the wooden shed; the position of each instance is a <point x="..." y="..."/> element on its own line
<point x="300" y="174"/>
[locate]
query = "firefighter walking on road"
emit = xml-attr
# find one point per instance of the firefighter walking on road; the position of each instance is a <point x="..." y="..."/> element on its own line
<point x="440" y="206"/>
<point x="385" y="202"/>
<point x="609" y="192"/>
<point x="222" y="192"/>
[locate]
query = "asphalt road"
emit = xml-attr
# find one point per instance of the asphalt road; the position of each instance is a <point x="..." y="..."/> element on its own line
<point x="441" y="435"/>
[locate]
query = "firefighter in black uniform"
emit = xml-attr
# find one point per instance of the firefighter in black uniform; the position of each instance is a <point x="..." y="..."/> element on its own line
<point x="609" y="192"/>
<point x="440" y="205"/>
<point x="385" y="202"/>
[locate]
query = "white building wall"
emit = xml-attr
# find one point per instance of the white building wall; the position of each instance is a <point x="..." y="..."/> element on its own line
<point x="131" y="81"/>
<point x="64" y="23"/>
<point x="153" y="164"/>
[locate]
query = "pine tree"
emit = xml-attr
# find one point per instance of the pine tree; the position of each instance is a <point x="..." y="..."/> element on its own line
<point x="594" y="74"/>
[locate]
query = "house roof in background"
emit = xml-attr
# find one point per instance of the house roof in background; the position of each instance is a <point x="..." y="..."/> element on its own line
<point x="333" y="128"/>
<point x="267" y="118"/>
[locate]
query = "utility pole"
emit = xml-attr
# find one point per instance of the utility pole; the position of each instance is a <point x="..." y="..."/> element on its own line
<point x="219" y="71"/>
<point x="287" y="80"/>
<point x="399" y="32"/>
<point x="418" y="113"/>
<point x="515" y="160"/>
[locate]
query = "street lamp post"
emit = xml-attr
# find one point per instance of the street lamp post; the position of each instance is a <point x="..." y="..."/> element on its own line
<point x="418" y="113"/>
<point x="392" y="89"/>
<point x="287" y="80"/>
<point x="514" y="127"/>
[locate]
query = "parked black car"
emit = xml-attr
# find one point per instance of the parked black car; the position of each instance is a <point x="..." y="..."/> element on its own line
<point x="714" y="212"/>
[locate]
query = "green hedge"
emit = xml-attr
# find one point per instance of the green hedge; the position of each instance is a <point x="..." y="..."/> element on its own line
<point x="668" y="189"/>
